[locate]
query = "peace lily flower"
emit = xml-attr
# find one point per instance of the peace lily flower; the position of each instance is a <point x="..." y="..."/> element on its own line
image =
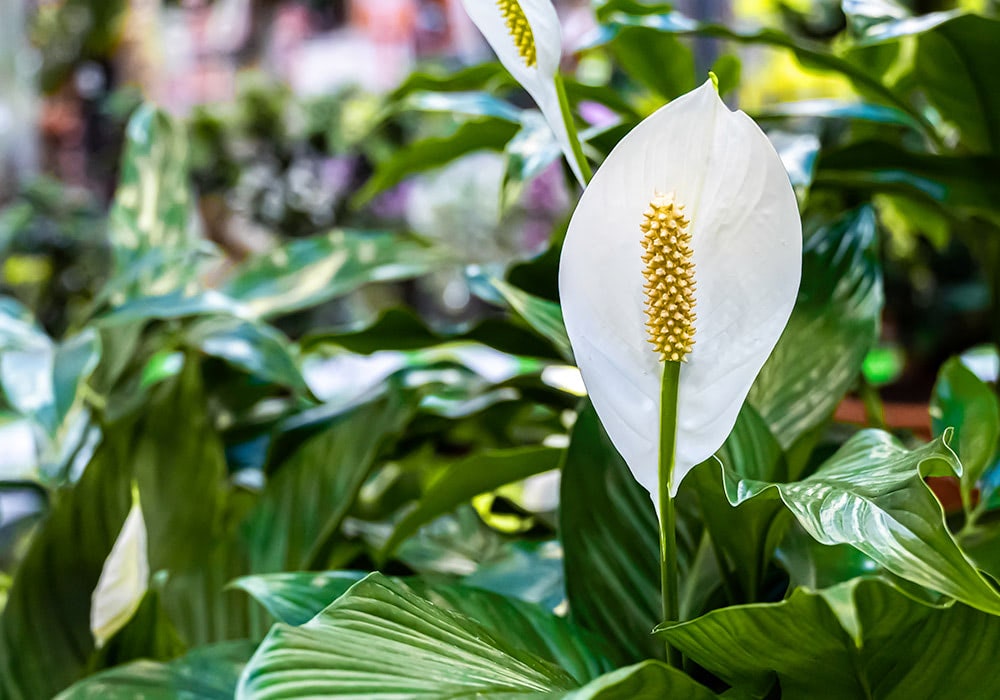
<point x="691" y="210"/>
<point x="124" y="578"/>
<point x="527" y="38"/>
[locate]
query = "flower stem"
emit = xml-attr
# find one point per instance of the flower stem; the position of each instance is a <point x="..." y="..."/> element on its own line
<point x="668" y="533"/>
<point x="574" y="136"/>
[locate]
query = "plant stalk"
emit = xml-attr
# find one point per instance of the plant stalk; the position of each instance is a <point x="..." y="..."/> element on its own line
<point x="574" y="136"/>
<point x="669" y="579"/>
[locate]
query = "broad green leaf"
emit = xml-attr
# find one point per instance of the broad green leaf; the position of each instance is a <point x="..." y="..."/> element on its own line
<point x="426" y="154"/>
<point x="402" y="329"/>
<point x="892" y="648"/>
<point x="309" y="494"/>
<point x="955" y="70"/>
<point x="657" y="60"/>
<point x="542" y="315"/>
<point x="255" y="348"/>
<point x="837" y="109"/>
<point x="307" y="272"/>
<point x="880" y="20"/>
<point x="414" y="648"/>
<point x="171" y="306"/>
<point x="962" y="181"/>
<point x="966" y="404"/>
<point x="45" y="640"/>
<point x="872" y="496"/>
<point x="745" y="535"/>
<point x="207" y="673"/>
<point x="609" y="533"/>
<point x="649" y="679"/>
<point x="478" y="473"/>
<point x="467" y="104"/>
<point x="808" y="53"/>
<point x="478" y="77"/>
<point x="295" y="598"/>
<point x="836" y="316"/>
<point x="148" y="223"/>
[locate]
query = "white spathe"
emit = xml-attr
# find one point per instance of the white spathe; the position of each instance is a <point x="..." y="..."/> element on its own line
<point x="747" y="250"/>
<point x="538" y="80"/>
<point x="123" y="581"/>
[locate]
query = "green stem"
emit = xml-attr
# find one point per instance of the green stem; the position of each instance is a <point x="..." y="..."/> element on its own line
<point x="669" y="579"/>
<point x="574" y="136"/>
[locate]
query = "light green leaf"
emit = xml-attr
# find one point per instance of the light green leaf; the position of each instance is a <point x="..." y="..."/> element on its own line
<point x="207" y="673"/>
<point x="258" y="349"/>
<point x="542" y="315"/>
<point x="872" y="496"/>
<point x="295" y="598"/>
<point x="309" y="494"/>
<point x="649" y="679"/>
<point x="836" y="317"/>
<point x="903" y="649"/>
<point x="966" y="404"/>
<point x="307" y="272"/>
<point x="479" y="473"/>
<point x="487" y="133"/>
<point x="609" y="533"/>
<point x="416" y="648"/>
<point x="148" y="223"/>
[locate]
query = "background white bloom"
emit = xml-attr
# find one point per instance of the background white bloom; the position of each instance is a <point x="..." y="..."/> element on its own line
<point x="537" y="76"/>
<point x="747" y="248"/>
<point x="123" y="581"/>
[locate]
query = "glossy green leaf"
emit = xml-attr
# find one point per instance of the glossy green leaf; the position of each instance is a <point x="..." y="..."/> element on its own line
<point x="808" y="53"/>
<point x="542" y="315"/>
<point x="610" y="539"/>
<point x="963" y="181"/>
<point x="956" y="72"/>
<point x="891" y="647"/>
<point x="148" y="223"/>
<point x="170" y="306"/>
<point x="45" y="640"/>
<point x="295" y="598"/>
<point x="309" y="494"/>
<point x="836" y="316"/>
<point x="837" y="109"/>
<point x="207" y="673"/>
<point x="435" y="151"/>
<point x="745" y="535"/>
<point x="479" y="473"/>
<point x="306" y="272"/>
<point x="657" y="60"/>
<point x="416" y="648"/>
<point x="872" y="496"/>
<point x="467" y="104"/>
<point x="649" y="679"/>
<point x="966" y="404"/>
<point x="258" y="349"/>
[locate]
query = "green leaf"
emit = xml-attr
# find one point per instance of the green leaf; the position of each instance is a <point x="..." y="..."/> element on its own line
<point x="542" y="315"/>
<point x="426" y="154"/>
<point x="745" y="535"/>
<point x="307" y="272"/>
<point x="609" y="533"/>
<point x="808" y="53"/>
<point x="657" y="60"/>
<point x="872" y="496"/>
<point x="963" y="182"/>
<point x="479" y="473"/>
<point x="207" y="673"/>
<point x="836" y="316"/>
<point x="45" y="640"/>
<point x="966" y="404"/>
<point x="309" y="494"/>
<point x="649" y="679"/>
<point x="837" y="109"/>
<point x="258" y="349"/>
<point x="955" y="69"/>
<point x="891" y="647"/>
<point x="295" y="598"/>
<point x="415" y="648"/>
<point x="148" y="222"/>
